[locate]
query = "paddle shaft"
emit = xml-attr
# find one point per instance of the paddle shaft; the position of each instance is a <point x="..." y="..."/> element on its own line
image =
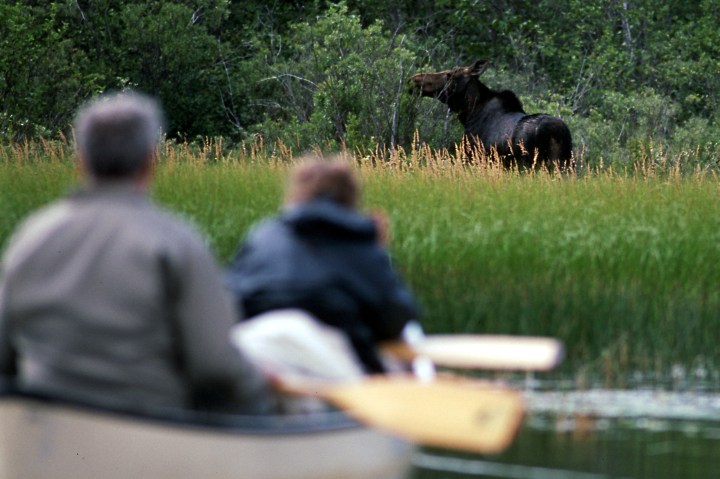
<point x="502" y="352"/>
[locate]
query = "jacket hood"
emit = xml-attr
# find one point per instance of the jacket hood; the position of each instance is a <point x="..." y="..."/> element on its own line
<point x="324" y="217"/>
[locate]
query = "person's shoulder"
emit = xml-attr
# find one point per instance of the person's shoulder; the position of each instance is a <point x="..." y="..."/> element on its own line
<point x="267" y="228"/>
<point x="41" y="222"/>
<point x="48" y="213"/>
<point x="170" y="229"/>
<point x="179" y="222"/>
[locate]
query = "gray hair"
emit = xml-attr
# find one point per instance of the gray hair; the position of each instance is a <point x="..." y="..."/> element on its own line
<point x="116" y="135"/>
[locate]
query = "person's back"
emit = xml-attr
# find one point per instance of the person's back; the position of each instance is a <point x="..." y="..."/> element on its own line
<point x="322" y="256"/>
<point x="106" y="298"/>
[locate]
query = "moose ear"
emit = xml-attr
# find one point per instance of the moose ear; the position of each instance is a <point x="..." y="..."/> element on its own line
<point x="479" y="67"/>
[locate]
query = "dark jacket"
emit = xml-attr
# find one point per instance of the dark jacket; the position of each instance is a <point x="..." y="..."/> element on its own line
<point x="325" y="259"/>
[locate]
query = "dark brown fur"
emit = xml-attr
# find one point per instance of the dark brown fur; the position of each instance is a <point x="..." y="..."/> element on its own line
<point x="496" y="120"/>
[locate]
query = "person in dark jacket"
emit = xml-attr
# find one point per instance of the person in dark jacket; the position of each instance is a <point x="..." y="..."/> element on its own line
<point x="323" y="256"/>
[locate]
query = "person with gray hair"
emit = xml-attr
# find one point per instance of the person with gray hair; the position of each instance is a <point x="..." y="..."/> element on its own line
<point x="109" y="299"/>
<point x="116" y="136"/>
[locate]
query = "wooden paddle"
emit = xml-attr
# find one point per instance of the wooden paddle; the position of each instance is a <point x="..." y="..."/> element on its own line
<point x="525" y="353"/>
<point x="447" y="413"/>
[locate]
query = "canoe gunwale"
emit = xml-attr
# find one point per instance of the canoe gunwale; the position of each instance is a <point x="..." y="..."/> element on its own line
<point x="260" y="425"/>
<point x="80" y="441"/>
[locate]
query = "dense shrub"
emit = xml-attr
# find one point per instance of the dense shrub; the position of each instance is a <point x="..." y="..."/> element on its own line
<point x="335" y="80"/>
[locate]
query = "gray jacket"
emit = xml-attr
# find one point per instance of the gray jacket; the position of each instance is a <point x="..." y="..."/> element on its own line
<point x="105" y="297"/>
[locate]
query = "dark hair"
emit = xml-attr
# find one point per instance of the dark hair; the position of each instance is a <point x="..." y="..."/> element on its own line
<point x="333" y="178"/>
<point x="117" y="135"/>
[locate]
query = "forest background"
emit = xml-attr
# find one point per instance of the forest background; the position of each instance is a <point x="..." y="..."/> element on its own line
<point x="630" y="77"/>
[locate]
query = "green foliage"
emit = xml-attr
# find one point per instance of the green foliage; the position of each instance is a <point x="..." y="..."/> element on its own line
<point x="331" y="74"/>
<point x="590" y="261"/>
<point x="57" y="54"/>
<point x="163" y="40"/>
<point x="336" y="80"/>
<point x="41" y="71"/>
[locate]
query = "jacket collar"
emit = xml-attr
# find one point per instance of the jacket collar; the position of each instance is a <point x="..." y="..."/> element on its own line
<point x="323" y="216"/>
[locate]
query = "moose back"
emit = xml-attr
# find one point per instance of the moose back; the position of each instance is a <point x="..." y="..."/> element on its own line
<point x="496" y="120"/>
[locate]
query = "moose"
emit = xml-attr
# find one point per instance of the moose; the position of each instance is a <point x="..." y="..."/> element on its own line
<point x="495" y="121"/>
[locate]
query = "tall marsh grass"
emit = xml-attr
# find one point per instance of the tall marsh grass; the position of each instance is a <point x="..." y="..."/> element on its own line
<point x="623" y="266"/>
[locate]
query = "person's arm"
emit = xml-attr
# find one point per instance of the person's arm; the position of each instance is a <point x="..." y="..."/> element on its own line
<point x="206" y="313"/>
<point x="236" y="278"/>
<point x="7" y="353"/>
<point x="396" y="304"/>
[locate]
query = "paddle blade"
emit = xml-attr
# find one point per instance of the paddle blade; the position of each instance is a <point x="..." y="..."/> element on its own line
<point x="524" y="353"/>
<point x="443" y="413"/>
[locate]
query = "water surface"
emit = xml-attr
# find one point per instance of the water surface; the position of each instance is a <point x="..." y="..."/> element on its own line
<point x="663" y="431"/>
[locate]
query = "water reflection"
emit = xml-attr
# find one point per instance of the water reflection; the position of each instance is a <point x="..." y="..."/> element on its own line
<point x="647" y="432"/>
<point x="613" y="448"/>
<point x="639" y="403"/>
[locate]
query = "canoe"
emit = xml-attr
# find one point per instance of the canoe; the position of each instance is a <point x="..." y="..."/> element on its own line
<point x="44" y="438"/>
